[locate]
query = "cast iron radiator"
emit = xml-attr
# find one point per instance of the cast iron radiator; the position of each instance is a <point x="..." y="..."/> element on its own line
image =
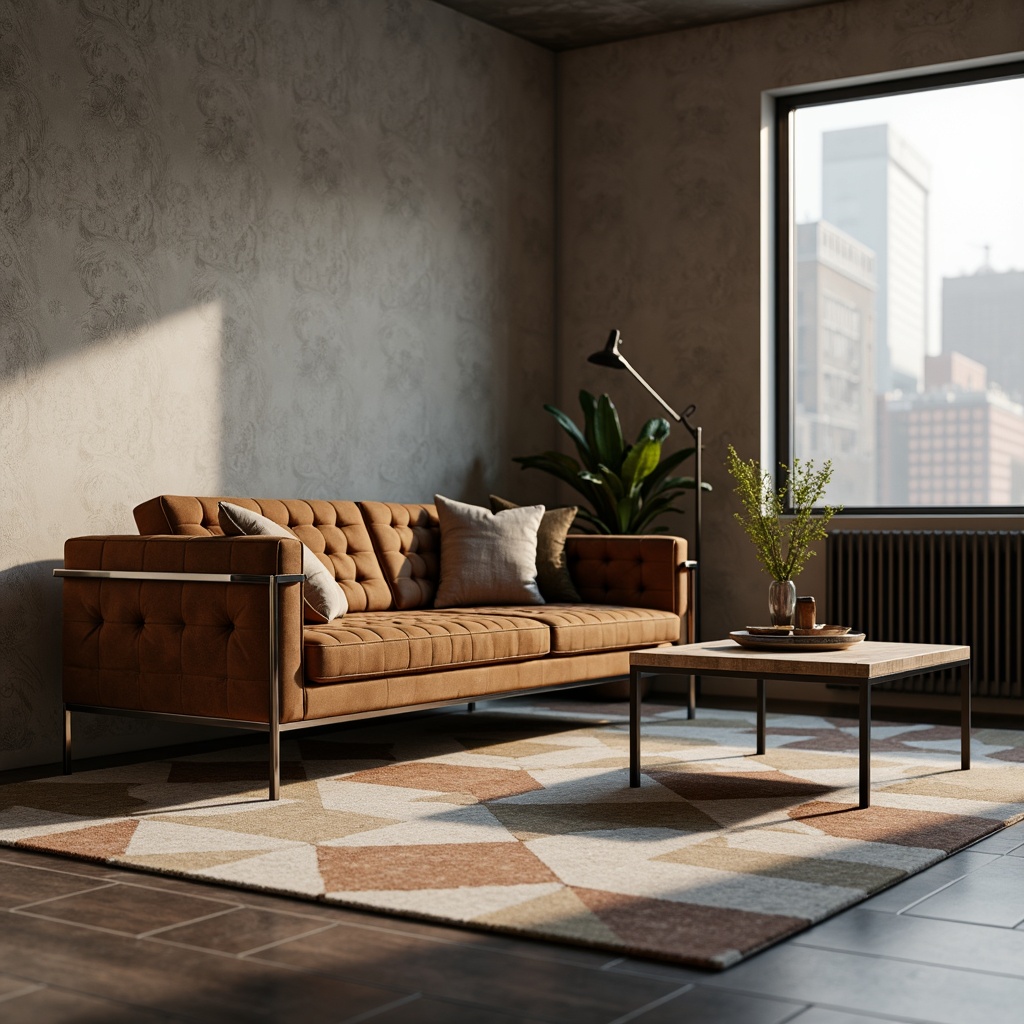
<point x="940" y="587"/>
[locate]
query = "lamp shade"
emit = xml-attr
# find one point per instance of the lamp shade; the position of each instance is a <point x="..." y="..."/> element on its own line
<point x="610" y="355"/>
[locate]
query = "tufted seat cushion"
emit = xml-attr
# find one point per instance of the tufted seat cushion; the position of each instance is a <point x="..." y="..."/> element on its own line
<point x="393" y="643"/>
<point x="583" y="628"/>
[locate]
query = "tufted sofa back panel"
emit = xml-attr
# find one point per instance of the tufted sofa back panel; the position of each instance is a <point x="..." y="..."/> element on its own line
<point x="334" y="530"/>
<point x="408" y="543"/>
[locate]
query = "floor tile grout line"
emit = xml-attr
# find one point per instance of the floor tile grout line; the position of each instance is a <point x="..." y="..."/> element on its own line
<point x="63" y="896"/>
<point x="370" y="1014"/>
<point x="18" y="863"/>
<point x="281" y="942"/>
<point x="30" y="987"/>
<point x="871" y="1015"/>
<point x="934" y="892"/>
<point x="75" y="924"/>
<point x="908" y="960"/>
<point x="868" y="1016"/>
<point x="222" y="954"/>
<point x="184" y="924"/>
<point x="547" y="953"/>
<point x="169" y="1015"/>
<point x="795" y="1018"/>
<point x="800" y="938"/>
<point x="131" y="883"/>
<point x="316" y="971"/>
<point x="653" y="1005"/>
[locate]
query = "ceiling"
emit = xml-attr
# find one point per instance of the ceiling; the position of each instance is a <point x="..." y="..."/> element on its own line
<point x="568" y="24"/>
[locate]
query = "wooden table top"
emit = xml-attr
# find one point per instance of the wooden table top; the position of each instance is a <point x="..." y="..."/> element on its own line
<point x="866" y="660"/>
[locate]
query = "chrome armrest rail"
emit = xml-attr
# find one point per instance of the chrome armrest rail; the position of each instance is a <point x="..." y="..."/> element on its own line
<point x="272" y="582"/>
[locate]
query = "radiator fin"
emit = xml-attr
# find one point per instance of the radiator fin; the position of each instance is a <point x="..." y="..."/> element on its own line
<point x="939" y="587"/>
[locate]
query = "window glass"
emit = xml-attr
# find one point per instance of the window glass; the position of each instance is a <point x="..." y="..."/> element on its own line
<point x="907" y="278"/>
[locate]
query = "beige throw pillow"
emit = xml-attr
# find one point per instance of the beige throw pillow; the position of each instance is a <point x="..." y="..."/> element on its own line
<point x="487" y="558"/>
<point x="552" y="570"/>
<point x="322" y="596"/>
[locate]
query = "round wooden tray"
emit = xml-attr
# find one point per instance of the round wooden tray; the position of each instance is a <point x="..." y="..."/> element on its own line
<point x="834" y="642"/>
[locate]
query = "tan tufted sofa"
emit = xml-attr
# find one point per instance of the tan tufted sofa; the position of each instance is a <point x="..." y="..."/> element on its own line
<point x="182" y="621"/>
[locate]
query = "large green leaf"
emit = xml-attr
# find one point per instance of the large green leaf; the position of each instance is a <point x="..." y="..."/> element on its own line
<point x="603" y="498"/>
<point x="608" y="434"/>
<point x="558" y="465"/>
<point x="640" y="463"/>
<point x="588" y="403"/>
<point x="609" y="491"/>
<point x="657" y="429"/>
<point x="586" y="455"/>
<point x="588" y="517"/>
<point x="652" y="511"/>
<point x="666" y="466"/>
<point x="625" y="509"/>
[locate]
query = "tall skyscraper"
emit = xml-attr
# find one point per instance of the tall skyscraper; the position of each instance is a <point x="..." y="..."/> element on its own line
<point x="875" y="188"/>
<point x="983" y="317"/>
<point x="834" y="407"/>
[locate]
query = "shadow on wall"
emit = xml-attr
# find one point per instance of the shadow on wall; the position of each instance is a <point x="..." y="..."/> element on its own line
<point x="29" y="656"/>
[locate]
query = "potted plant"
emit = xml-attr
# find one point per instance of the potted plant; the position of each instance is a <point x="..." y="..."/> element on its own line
<point x="782" y="542"/>
<point x="628" y="487"/>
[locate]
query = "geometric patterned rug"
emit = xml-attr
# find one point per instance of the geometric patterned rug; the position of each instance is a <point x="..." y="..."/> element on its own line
<point x="519" y="818"/>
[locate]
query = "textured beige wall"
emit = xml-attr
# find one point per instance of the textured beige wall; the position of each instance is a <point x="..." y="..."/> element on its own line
<point x="280" y="247"/>
<point x="660" y="218"/>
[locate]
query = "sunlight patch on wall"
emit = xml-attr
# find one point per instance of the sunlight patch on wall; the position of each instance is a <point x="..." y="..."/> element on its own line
<point x="85" y="438"/>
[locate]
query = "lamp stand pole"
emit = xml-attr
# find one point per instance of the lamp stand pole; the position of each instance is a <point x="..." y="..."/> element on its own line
<point x="611" y="356"/>
<point x="697" y="434"/>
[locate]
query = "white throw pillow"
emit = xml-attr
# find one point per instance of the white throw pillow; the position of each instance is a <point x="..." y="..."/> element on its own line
<point x="322" y="594"/>
<point x="487" y="558"/>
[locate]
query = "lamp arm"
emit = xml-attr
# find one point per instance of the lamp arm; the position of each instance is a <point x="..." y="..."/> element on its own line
<point x="685" y="420"/>
<point x="654" y="394"/>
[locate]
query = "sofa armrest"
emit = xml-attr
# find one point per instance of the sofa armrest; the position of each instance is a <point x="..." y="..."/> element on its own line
<point x="184" y="647"/>
<point x="644" y="571"/>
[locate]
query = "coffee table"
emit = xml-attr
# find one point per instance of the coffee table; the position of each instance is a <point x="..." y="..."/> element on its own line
<point x="865" y="665"/>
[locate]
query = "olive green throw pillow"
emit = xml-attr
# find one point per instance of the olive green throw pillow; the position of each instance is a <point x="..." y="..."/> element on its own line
<point x="552" y="570"/>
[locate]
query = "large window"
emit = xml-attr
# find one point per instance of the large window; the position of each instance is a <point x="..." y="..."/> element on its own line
<point x="901" y="299"/>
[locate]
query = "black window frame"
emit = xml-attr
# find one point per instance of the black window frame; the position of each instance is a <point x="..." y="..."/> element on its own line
<point x="783" y="251"/>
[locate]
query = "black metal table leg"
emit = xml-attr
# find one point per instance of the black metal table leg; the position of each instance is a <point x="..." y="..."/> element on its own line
<point x="762" y="716"/>
<point x="691" y="703"/>
<point x="965" y="717"/>
<point x="634" y="727"/>
<point x="865" y="745"/>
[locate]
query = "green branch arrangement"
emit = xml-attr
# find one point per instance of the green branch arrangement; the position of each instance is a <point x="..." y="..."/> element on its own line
<point x="782" y="547"/>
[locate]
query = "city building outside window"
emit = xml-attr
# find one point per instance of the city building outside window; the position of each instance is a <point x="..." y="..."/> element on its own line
<point x="901" y="266"/>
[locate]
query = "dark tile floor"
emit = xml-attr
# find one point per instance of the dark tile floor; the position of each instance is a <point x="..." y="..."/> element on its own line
<point x="81" y="942"/>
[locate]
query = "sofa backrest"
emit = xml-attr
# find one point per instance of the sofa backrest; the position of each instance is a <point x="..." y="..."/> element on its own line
<point x="408" y="543"/>
<point x="334" y="530"/>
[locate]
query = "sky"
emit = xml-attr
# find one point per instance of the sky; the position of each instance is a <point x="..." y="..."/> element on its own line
<point x="973" y="136"/>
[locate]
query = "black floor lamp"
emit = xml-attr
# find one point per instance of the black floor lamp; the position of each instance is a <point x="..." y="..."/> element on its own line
<point x="612" y="357"/>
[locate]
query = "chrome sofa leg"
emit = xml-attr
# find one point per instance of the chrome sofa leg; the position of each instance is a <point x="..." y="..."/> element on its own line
<point x="275" y="761"/>
<point x="67" y="740"/>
